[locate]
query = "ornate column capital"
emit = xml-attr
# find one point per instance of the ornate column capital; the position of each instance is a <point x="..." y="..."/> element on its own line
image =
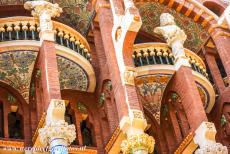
<point x="44" y="11"/>
<point x="205" y="138"/>
<point x="58" y="129"/>
<point x="138" y="142"/>
<point x="175" y="38"/>
<point x="214" y="148"/>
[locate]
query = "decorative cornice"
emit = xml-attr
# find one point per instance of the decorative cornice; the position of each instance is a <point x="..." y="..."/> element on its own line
<point x="220" y="33"/>
<point x="184" y="143"/>
<point x="113" y="138"/>
<point x="7" y="143"/>
<point x="40" y="125"/>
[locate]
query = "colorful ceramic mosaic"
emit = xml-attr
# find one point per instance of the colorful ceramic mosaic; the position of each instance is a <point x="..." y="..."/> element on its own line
<point x="150" y="14"/>
<point x="16" y="69"/>
<point x="71" y="75"/>
<point x="203" y="95"/>
<point x="151" y="89"/>
<point x="76" y="14"/>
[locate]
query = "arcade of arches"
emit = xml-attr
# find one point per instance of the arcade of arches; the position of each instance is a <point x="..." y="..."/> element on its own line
<point x="116" y="77"/>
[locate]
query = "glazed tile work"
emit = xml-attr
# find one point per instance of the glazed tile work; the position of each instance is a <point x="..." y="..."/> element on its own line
<point x="76" y="14"/>
<point x="151" y="89"/>
<point x="71" y="75"/>
<point x="16" y="68"/>
<point x="203" y="95"/>
<point x="150" y="14"/>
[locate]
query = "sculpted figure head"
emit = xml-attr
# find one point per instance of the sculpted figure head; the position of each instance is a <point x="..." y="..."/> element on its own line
<point x="166" y="19"/>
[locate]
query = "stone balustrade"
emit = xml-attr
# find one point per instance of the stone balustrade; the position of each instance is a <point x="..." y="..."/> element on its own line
<point x="27" y="28"/>
<point x="160" y="53"/>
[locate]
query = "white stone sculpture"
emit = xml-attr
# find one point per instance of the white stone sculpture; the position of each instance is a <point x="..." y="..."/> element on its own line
<point x="174" y="36"/>
<point x="205" y="138"/>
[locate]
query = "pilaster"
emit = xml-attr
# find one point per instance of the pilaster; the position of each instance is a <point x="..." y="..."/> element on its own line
<point x="47" y="62"/>
<point x="118" y="49"/>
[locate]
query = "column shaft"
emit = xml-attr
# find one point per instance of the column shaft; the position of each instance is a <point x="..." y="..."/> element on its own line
<point x="47" y="63"/>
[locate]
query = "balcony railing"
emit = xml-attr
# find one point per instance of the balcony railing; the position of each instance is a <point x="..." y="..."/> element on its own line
<point x="160" y="53"/>
<point x="27" y="28"/>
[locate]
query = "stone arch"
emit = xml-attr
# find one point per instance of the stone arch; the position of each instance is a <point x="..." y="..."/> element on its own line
<point x="215" y="6"/>
<point x="87" y="111"/>
<point x="154" y="130"/>
<point x="22" y="107"/>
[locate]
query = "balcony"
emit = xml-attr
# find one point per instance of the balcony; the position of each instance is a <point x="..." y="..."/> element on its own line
<point x="19" y="36"/>
<point x="155" y="67"/>
<point x="160" y="53"/>
<point x="27" y="28"/>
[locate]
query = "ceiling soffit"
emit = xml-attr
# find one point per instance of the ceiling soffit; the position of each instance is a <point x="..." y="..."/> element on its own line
<point x="76" y="13"/>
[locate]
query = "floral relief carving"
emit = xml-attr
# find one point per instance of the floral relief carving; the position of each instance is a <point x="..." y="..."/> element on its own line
<point x="59" y="129"/>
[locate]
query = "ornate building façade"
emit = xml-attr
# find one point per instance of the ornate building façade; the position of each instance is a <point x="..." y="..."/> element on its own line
<point x="116" y="77"/>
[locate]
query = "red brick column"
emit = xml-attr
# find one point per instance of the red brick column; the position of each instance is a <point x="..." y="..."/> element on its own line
<point x="214" y="70"/>
<point x="105" y="21"/>
<point x="49" y="80"/>
<point x="223" y="46"/>
<point x="185" y="86"/>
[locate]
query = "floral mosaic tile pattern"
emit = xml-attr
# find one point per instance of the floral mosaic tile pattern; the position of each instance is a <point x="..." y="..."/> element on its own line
<point x="151" y="89"/>
<point x="76" y="14"/>
<point x="150" y="14"/>
<point x="71" y="75"/>
<point x="16" y="69"/>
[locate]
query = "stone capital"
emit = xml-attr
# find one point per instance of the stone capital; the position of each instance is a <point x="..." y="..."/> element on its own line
<point x="40" y="7"/>
<point x="138" y="143"/>
<point x="44" y="11"/>
<point x="205" y="138"/>
<point x="57" y="129"/>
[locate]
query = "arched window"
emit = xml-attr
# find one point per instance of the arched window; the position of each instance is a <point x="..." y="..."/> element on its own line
<point x="68" y="116"/>
<point x="15" y="125"/>
<point x="86" y="133"/>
